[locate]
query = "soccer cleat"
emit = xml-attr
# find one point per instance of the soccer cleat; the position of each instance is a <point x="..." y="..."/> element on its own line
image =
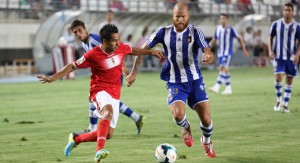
<point x="285" y="109"/>
<point x="214" y="89"/>
<point x="209" y="149"/>
<point x="139" y="124"/>
<point x="101" y="154"/>
<point x="277" y="107"/>
<point x="71" y="145"/>
<point x="227" y="91"/>
<point x="187" y="137"/>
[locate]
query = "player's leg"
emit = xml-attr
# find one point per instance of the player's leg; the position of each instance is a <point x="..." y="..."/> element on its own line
<point x="176" y="102"/>
<point x="198" y="101"/>
<point x="279" y="70"/>
<point x="137" y="118"/>
<point x="226" y="75"/>
<point x="291" y="71"/>
<point x="93" y="118"/>
<point x="206" y="125"/>
<point x="220" y="78"/>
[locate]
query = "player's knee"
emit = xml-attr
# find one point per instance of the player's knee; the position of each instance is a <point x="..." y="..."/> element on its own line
<point x="178" y="115"/>
<point x="107" y="113"/>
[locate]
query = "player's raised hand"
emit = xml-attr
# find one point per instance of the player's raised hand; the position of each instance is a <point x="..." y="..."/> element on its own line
<point x="158" y="54"/>
<point x="44" y="78"/>
<point x="130" y="79"/>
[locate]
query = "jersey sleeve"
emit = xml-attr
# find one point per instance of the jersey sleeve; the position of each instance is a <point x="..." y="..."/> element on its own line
<point x="200" y="39"/>
<point x="273" y="29"/>
<point x="234" y="32"/>
<point x="84" y="61"/>
<point x="298" y="32"/>
<point x="156" y="37"/>
<point x="125" y="48"/>
<point x="216" y="34"/>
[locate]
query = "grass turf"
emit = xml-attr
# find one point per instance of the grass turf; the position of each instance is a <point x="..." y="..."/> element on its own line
<point x="35" y="121"/>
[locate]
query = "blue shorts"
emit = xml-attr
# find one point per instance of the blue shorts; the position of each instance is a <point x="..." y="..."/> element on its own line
<point x="285" y="67"/>
<point x="224" y="61"/>
<point x="193" y="92"/>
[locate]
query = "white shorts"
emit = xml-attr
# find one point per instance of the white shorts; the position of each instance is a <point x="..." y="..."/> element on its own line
<point x="103" y="99"/>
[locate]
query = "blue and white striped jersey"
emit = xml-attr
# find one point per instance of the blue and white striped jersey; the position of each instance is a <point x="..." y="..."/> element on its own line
<point x="225" y="37"/>
<point x="286" y="37"/>
<point x="181" y="49"/>
<point x="94" y="40"/>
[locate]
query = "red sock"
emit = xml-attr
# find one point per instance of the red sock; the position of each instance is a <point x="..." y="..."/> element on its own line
<point x="86" y="137"/>
<point x="102" y="132"/>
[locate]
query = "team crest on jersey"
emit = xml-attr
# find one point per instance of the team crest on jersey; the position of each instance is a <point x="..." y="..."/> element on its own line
<point x="189" y="39"/>
<point x="80" y="60"/>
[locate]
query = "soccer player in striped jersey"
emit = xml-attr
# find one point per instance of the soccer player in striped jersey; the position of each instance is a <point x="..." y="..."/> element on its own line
<point x="284" y="51"/>
<point x="182" y="42"/>
<point x="225" y="34"/>
<point x="105" y="89"/>
<point x="89" y="41"/>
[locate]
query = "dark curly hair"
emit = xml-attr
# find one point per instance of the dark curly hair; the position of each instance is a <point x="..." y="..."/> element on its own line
<point x="107" y="30"/>
<point x="76" y="23"/>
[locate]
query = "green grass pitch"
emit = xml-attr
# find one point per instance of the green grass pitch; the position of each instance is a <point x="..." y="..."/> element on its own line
<point x="35" y="120"/>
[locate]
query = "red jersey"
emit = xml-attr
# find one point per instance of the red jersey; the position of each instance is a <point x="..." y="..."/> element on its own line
<point x="106" y="69"/>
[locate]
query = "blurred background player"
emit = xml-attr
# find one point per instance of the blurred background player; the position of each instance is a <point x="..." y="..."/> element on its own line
<point x="105" y="89"/>
<point x="284" y="53"/>
<point x="225" y="34"/>
<point x="109" y="19"/>
<point x="89" y="41"/>
<point x="181" y="42"/>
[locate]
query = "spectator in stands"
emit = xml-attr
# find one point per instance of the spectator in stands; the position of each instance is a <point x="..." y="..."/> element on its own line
<point x="260" y="50"/>
<point x="194" y="6"/>
<point x="245" y="6"/>
<point x="297" y="4"/>
<point x="109" y="20"/>
<point x="148" y="61"/>
<point x="117" y="5"/>
<point x="248" y="37"/>
<point x="170" y="4"/>
<point x="223" y="1"/>
<point x="129" y="59"/>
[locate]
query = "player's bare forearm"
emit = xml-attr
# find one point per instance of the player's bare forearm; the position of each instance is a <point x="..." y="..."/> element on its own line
<point x="242" y="43"/>
<point x="212" y="42"/>
<point x="271" y="53"/>
<point x="63" y="72"/>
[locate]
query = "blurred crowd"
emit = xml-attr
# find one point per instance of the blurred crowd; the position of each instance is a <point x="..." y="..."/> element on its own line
<point x="256" y="45"/>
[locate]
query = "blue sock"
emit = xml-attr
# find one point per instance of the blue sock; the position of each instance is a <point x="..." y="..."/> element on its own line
<point x="278" y="88"/>
<point x="128" y="112"/>
<point x="183" y="123"/>
<point x="93" y="119"/>
<point x="287" y="94"/>
<point x="207" y="131"/>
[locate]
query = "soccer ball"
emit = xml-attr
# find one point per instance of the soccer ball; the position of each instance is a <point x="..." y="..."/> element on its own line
<point x="165" y="153"/>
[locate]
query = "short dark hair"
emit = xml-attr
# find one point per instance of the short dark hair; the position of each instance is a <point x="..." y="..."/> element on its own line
<point x="77" y="23"/>
<point x="289" y="5"/>
<point x="223" y="14"/>
<point x="107" y="30"/>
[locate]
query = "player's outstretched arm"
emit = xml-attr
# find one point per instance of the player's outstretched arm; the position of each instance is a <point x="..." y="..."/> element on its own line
<point x="242" y="43"/>
<point x="156" y="53"/>
<point x="208" y="56"/>
<point x="212" y="42"/>
<point x="136" y="65"/>
<point x="63" y="72"/>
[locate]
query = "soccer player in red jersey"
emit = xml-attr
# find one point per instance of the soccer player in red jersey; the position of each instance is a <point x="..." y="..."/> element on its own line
<point x="105" y="62"/>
